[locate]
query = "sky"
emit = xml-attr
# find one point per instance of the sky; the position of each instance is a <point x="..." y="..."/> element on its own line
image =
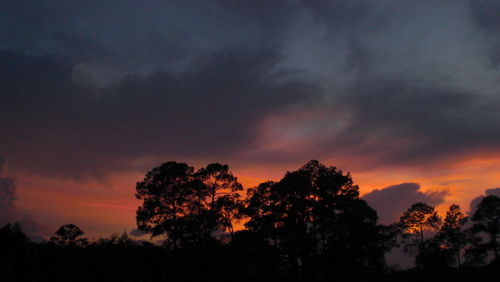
<point x="402" y="94"/>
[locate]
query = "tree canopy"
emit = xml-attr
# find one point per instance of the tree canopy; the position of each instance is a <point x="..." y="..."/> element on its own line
<point x="419" y="218"/>
<point x="452" y="233"/>
<point x="311" y="225"/>
<point x="487" y="221"/>
<point x="185" y="205"/>
<point x="314" y="216"/>
<point x="67" y="235"/>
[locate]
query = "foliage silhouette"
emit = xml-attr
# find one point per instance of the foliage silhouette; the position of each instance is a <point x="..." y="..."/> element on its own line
<point x="67" y="235"/>
<point x="452" y="234"/>
<point x="12" y="234"/>
<point x="309" y="226"/>
<point x="419" y="218"/>
<point x="487" y="221"/>
<point x="166" y="192"/>
<point x="219" y="197"/>
<point x="185" y="206"/>
<point x="13" y="247"/>
<point x="315" y="217"/>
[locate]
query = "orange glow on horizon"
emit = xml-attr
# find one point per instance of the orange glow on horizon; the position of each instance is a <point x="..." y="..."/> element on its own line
<point x="103" y="208"/>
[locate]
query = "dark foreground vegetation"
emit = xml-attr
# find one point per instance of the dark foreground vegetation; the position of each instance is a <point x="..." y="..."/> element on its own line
<point x="309" y="226"/>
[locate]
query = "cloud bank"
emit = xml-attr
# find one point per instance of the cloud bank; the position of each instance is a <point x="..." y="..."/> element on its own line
<point x="390" y="202"/>
<point x="91" y="89"/>
<point x="475" y="202"/>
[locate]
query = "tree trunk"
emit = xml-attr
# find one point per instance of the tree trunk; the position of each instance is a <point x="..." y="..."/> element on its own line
<point x="212" y="204"/>
<point x="421" y="235"/>
<point x="231" y="231"/>
<point x="422" y="246"/>
<point x="494" y="245"/>
<point x="174" y="206"/>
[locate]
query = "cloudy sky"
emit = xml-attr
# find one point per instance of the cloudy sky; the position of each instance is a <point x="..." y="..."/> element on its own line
<point x="403" y="94"/>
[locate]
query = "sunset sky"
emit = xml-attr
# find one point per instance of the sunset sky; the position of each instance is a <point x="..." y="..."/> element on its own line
<point x="404" y="95"/>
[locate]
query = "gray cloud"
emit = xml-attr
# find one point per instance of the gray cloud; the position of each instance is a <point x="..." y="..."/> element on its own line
<point x="3" y="166"/>
<point x="475" y="202"/>
<point x="409" y="87"/>
<point x="8" y="212"/>
<point x="486" y="14"/>
<point x="137" y="233"/>
<point x="114" y="38"/>
<point x="390" y="202"/>
<point x="90" y="88"/>
<point x="55" y="126"/>
<point x="409" y="122"/>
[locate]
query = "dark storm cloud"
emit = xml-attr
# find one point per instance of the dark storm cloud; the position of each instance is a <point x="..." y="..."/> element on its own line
<point x="54" y="126"/>
<point x="486" y="14"/>
<point x="88" y="87"/>
<point x="411" y="92"/>
<point x="390" y="202"/>
<point x="394" y="98"/>
<point x="412" y="122"/>
<point x="175" y="80"/>
<point x="111" y="38"/>
<point x="405" y="106"/>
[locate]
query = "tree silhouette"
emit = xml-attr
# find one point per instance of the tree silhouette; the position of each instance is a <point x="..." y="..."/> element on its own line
<point x="451" y="233"/>
<point x="487" y="220"/>
<point x="122" y="240"/>
<point x="166" y="192"/>
<point x="254" y="257"/>
<point x="314" y="216"/>
<point x="219" y="197"/>
<point x="185" y="206"/>
<point x="435" y="258"/>
<point x="419" y="218"/>
<point x="11" y="234"/>
<point x="14" y="250"/>
<point x="67" y="235"/>
<point x="309" y="226"/>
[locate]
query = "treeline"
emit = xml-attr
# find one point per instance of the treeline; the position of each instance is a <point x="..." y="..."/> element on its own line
<point x="311" y="225"/>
